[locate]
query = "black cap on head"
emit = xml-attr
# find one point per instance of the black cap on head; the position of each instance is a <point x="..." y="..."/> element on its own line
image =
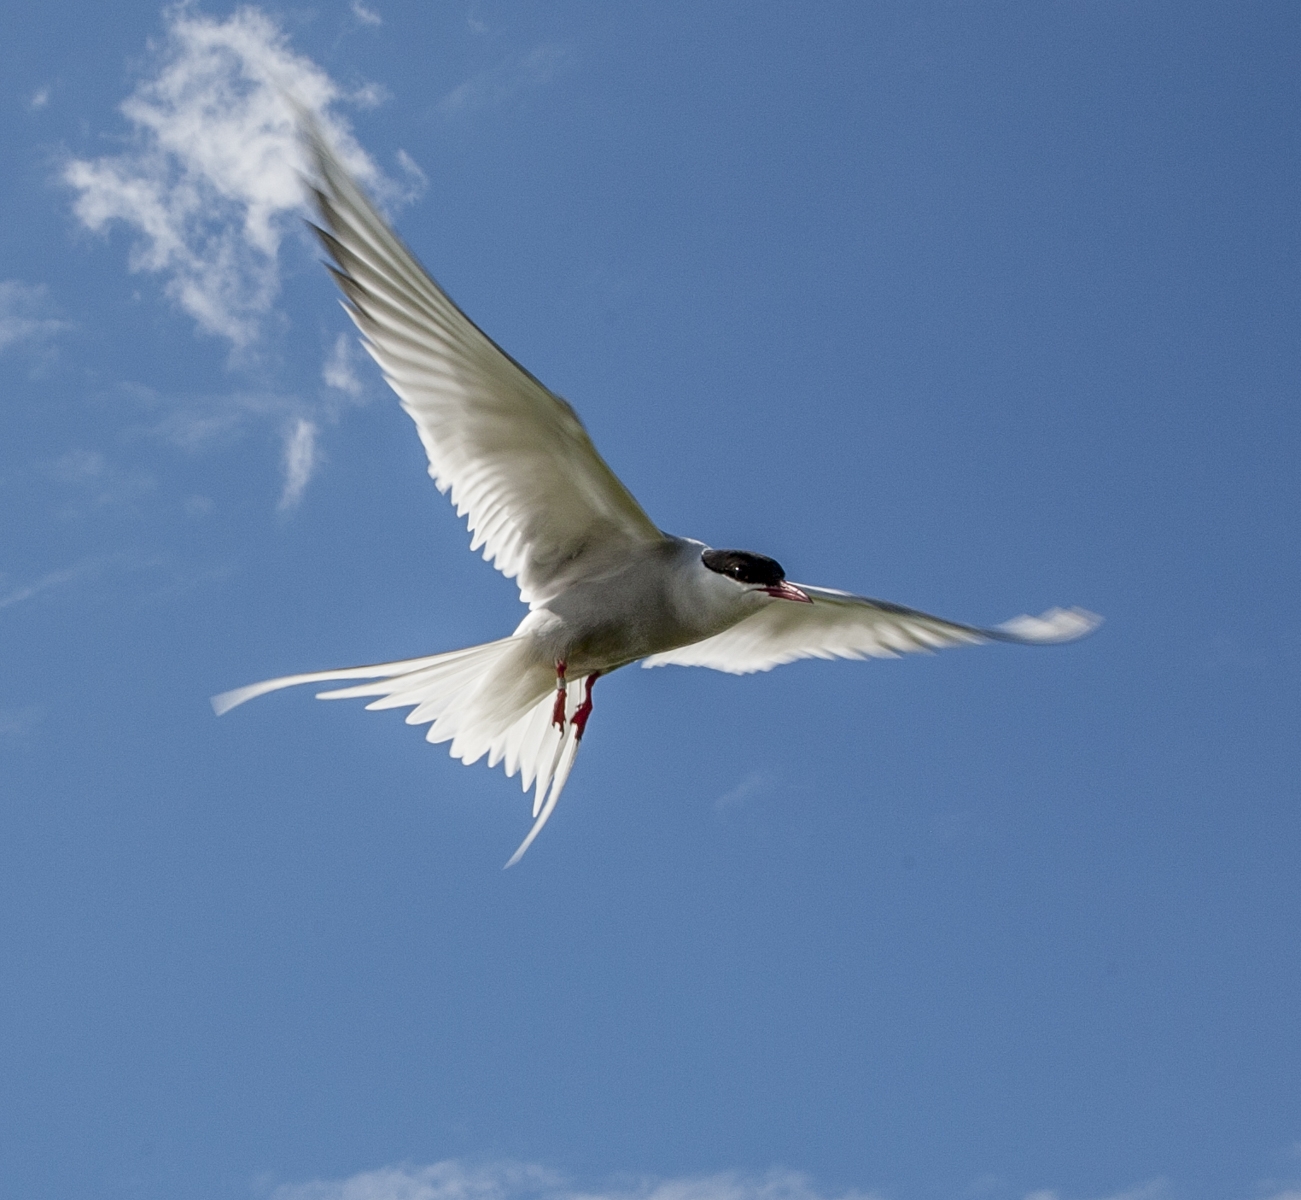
<point x="745" y="567"/>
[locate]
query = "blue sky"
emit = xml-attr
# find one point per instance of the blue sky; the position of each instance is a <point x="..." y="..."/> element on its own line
<point x="976" y="307"/>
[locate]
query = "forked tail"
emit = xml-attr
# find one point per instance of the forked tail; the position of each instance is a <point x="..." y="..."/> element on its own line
<point x="494" y="699"/>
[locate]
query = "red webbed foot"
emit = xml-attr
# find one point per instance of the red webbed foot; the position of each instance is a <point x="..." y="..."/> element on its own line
<point x="585" y="709"/>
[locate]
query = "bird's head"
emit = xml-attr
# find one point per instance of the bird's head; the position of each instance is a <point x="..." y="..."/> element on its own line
<point x="753" y="572"/>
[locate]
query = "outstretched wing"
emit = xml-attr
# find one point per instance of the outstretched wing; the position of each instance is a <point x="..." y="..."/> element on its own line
<point x="841" y="625"/>
<point x="518" y="463"/>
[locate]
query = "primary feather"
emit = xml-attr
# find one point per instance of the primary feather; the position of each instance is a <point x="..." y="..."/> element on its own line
<point x="538" y="498"/>
<point x="842" y="625"/>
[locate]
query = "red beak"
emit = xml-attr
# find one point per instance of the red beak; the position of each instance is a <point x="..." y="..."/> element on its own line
<point x="788" y="591"/>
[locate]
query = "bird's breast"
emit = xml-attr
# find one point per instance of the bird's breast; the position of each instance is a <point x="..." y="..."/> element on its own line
<point x="646" y="609"/>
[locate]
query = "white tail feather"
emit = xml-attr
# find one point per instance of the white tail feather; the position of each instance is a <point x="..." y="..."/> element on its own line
<point x="567" y="750"/>
<point x="227" y="700"/>
<point x="495" y="699"/>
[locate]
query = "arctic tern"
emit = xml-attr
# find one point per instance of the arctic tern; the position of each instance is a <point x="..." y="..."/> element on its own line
<point x="604" y="585"/>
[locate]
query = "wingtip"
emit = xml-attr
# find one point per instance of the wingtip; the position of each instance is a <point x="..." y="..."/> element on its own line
<point x="1053" y="627"/>
<point x="308" y="123"/>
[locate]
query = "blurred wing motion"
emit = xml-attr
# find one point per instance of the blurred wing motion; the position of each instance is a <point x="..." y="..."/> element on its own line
<point x="841" y="625"/>
<point x="518" y="463"/>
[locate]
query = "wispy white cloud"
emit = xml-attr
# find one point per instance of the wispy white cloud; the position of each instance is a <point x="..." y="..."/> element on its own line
<point x="52" y="579"/>
<point x="39" y="99"/>
<point x="157" y="578"/>
<point x="370" y="95"/>
<point x="775" y="1185"/>
<point x="752" y="785"/>
<point x="1155" y="1189"/>
<point x="338" y="370"/>
<point x="441" y="1181"/>
<point x="199" y="424"/>
<point x="26" y="315"/>
<point x="416" y="180"/>
<point x="302" y="457"/>
<point x="210" y="179"/>
<point x="98" y="482"/>
<point x="456" y="1181"/>
<point x="209" y="187"/>
<point x="515" y="74"/>
<point x="367" y="16"/>
<point x="452" y="1180"/>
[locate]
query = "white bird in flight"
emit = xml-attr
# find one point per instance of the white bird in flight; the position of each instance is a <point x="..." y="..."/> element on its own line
<point x="604" y="585"/>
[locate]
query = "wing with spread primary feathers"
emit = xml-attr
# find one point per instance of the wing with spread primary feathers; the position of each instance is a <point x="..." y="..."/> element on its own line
<point x="841" y="625"/>
<point x="539" y="499"/>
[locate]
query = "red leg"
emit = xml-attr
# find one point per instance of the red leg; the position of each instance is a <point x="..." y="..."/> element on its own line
<point x="558" y="713"/>
<point x="585" y="709"/>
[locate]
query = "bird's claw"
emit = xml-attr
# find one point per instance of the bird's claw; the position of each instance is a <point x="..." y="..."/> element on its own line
<point x="584" y="709"/>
